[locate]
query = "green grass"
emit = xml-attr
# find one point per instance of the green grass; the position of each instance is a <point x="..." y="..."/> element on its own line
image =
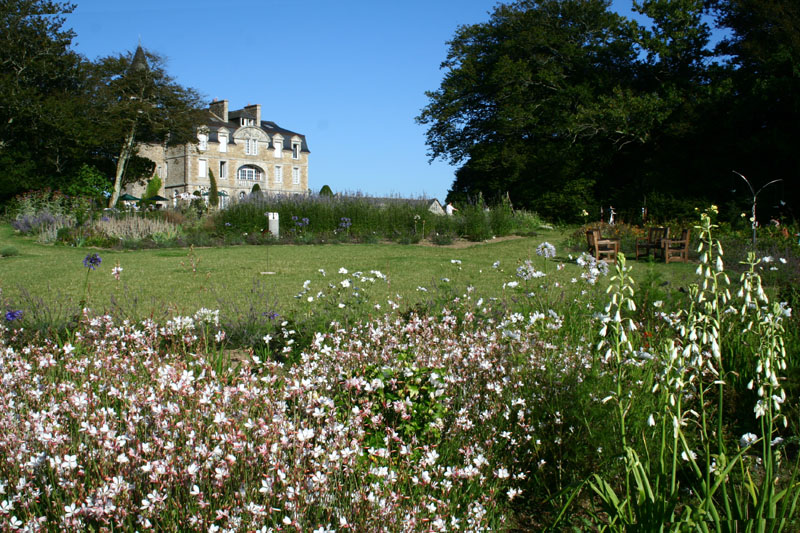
<point x="184" y="279"/>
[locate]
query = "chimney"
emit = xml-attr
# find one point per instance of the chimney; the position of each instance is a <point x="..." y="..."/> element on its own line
<point x="255" y="110"/>
<point x="220" y="108"/>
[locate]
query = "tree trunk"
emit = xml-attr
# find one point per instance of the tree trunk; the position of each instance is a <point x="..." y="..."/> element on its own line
<point x="124" y="155"/>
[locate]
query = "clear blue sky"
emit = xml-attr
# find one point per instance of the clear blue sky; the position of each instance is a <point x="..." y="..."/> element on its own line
<point x="350" y="75"/>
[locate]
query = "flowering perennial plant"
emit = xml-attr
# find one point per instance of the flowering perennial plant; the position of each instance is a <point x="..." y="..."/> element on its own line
<point x="374" y="428"/>
<point x="690" y="372"/>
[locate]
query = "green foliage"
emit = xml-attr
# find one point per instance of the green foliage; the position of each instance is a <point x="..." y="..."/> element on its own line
<point x="419" y="388"/>
<point x="42" y="120"/>
<point x="256" y="188"/>
<point x="501" y="218"/>
<point x="153" y="187"/>
<point x="367" y="217"/>
<point x="325" y="191"/>
<point x="89" y="182"/>
<point x="8" y="251"/>
<point x="568" y="106"/>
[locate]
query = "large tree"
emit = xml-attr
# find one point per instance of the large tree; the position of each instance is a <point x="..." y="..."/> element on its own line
<point x="136" y="101"/>
<point x="539" y="97"/>
<point x="40" y="95"/>
<point x="564" y="104"/>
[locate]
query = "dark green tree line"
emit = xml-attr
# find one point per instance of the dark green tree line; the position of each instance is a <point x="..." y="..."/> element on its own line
<point x="566" y="105"/>
<point x="61" y="114"/>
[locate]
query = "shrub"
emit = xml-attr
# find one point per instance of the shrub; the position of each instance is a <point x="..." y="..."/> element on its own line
<point x="526" y="222"/>
<point x="153" y="186"/>
<point x="8" y="251"/>
<point x="136" y="228"/>
<point x="213" y="192"/>
<point x="501" y="218"/>
<point x="442" y="239"/>
<point x="476" y="222"/>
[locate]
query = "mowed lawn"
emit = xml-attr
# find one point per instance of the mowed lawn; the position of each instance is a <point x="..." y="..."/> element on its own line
<point x="181" y="280"/>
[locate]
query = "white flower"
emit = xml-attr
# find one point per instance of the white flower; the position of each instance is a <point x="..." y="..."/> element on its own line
<point x="686" y="456"/>
<point x="546" y="250"/>
<point x="345" y="283"/>
<point x="456" y="261"/>
<point x="748" y="439"/>
<point x="305" y="434"/>
<point x="343" y="270"/>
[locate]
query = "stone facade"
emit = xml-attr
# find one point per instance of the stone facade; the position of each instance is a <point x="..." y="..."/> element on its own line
<point x="240" y="149"/>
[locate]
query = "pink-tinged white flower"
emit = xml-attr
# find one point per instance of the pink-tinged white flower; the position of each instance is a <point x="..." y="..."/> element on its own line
<point x="70" y="510"/>
<point x="68" y="348"/>
<point x="116" y="271"/>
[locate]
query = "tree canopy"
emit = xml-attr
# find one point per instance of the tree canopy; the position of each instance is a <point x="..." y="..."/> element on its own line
<point x="60" y="112"/>
<point x="564" y="104"/>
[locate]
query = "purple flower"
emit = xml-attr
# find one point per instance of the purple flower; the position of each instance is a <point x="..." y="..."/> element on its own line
<point x="272" y="315"/>
<point x="13" y="315"/>
<point x="92" y="261"/>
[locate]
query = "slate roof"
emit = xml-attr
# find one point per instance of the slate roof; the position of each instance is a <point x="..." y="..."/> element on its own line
<point x="269" y="127"/>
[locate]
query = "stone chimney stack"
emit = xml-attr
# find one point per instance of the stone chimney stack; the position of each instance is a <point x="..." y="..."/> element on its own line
<point x="255" y="110"/>
<point x="220" y="108"/>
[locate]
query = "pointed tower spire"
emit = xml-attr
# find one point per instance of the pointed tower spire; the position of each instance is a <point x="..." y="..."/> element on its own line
<point x="139" y="61"/>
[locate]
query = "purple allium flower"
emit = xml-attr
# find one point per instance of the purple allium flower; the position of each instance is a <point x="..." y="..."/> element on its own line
<point x="13" y="315"/>
<point x="92" y="261"/>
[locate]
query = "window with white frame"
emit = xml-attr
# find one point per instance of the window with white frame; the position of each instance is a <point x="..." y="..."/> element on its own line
<point x="251" y="147"/>
<point x="202" y="168"/>
<point x="295" y="150"/>
<point x="249" y="173"/>
<point x="278" y="144"/>
<point x="223" y="142"/>
<point x="278" y="174"/>
<point x="247" y="121"/>
<point x="202" y="141"/>
<point x="223" y="169"/>
<point x="296" y="175"/>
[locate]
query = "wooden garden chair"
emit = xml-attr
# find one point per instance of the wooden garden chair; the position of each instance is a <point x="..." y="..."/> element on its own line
<point x="602" y="249"/>
<point x="677" y="249"/>
<point x="655" y="236"/>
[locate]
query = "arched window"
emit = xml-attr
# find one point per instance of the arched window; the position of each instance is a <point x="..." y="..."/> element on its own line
<point x="241" y="195"/>
<point x="249" y="173"/>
